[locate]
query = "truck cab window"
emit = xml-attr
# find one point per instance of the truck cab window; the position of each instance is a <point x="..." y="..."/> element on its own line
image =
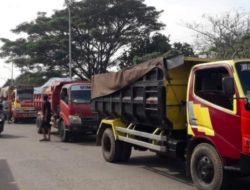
<point x="208" y="86"/>
<point x="64" y="95"/>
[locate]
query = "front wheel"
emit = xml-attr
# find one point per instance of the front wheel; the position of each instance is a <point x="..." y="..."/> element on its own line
<point x="15" y="120"/>
<point x="1" y="127"/>
<point x="64" y="134"/>
<point x="125" y="152"/>
<point x="39" y="125"/>
<point x="110" y="147"/>
<point x="206" y="168"/>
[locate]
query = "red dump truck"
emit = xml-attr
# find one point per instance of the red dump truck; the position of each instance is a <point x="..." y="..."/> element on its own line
<point x="181" y="107"/>
<point x="21" y="100"/>
<point x="70" y="106"/>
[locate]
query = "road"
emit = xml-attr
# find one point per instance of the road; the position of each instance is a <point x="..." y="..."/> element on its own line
<point x="27" y="164"/>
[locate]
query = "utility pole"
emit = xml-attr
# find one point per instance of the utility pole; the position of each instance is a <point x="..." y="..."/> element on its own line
<point x="69" y="3"/>
<point x="12" y="70"/>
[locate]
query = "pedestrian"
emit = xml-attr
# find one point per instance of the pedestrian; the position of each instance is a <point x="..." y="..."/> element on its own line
<point x="9" y="111"/>
<point x="5" y="104"/>
<point x="46" y="116"/>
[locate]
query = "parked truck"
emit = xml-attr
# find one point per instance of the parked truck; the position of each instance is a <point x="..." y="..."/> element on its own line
<point x="70" y="107"/>
<point x="21" y="102"/>
<point x="181" y="107"/>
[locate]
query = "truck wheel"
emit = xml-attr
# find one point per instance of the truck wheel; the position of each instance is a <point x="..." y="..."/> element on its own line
<point x="206" y="168"/>
<point x="15" y="120"/>
<point x="125" y="152"/>
<point x="58" y="125"/>
<point x="39" y="125"/>
<point x="64" y="134"/>
<point x="110" y="147"/>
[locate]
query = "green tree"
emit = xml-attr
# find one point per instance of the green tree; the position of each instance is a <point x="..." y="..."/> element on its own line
<point x="184" y="48"/>
<point x="148" y="46"/>
<point x="151" y="47"/>
<point x="35" y="79"/>
<point x="100" y="30"/>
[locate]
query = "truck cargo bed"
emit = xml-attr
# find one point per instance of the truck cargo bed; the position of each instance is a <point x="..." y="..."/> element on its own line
<point x="143" y="102"/>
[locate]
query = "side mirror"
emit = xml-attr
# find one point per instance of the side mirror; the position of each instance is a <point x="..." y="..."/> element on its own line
<point x="228" y="86"/>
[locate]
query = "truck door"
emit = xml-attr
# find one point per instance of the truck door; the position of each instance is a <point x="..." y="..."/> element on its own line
<point x="64" y="105"/>
<point x="211" y="114"/>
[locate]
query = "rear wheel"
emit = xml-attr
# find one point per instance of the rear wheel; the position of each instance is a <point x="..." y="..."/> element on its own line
<point x="206" y="168"/>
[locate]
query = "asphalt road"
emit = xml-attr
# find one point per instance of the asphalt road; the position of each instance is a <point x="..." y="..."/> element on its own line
<point x="27" y="164"/>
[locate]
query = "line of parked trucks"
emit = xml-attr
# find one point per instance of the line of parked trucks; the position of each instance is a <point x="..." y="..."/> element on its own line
<point x="185" y="108"/>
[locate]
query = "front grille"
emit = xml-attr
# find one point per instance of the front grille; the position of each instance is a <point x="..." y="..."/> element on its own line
<point x="90" y="121"/>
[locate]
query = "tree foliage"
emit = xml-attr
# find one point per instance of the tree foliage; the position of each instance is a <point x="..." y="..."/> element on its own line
<point x="150" y="47"/>
<point x="184" y="48"/>
<point x="147" y="46"/>
<point x="35" y="79"/>
<point x="226" y="36"/>
<point x="100" y="30"/>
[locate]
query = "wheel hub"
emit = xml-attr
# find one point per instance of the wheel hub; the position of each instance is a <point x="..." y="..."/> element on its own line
<point x="205" y="169"/>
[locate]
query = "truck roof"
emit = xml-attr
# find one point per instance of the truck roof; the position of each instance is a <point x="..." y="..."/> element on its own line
<point x="41" y="89"/>
<point x="230" y="62"/>
<point x="77" y="83"/>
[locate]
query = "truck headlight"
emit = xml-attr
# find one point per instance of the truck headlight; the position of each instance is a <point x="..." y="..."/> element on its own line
<point x="75" y="119"/>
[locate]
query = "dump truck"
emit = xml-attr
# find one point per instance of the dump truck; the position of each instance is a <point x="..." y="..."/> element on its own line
<point x="21" y="100"/>
<point x="185" y="108"/>
<point x="70" y="107"/>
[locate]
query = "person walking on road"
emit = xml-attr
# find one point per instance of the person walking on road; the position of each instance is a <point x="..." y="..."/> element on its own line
<point x="46" y="127"/>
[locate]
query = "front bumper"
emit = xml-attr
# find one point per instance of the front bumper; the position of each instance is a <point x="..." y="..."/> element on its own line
<point x="87" y="125"/>
<point x="24" y="114"/>
<point x="245" y="163"/>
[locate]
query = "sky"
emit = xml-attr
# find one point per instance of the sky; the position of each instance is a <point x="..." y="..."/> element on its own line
<point x="176" y="14"/>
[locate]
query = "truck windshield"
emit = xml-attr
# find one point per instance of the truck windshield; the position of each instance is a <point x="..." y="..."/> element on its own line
<point x="243" y="70"/>
<point x="25" y="96"/>
<point x="80" y="94"/>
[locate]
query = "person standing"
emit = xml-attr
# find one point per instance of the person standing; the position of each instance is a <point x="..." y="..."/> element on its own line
<point x="46" y="127"/>
<point x="5" y="104"/>
<point x="9" y="111"/>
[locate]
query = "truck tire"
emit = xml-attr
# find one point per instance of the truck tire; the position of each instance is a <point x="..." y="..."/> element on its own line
<point x="15" y="120"/>
<point x="64" y="134"/>
<point x="39" y="125"/>
<point x="206" y="168"/>
<point x="125" y="152"/>
<point x="58" y="125"/>
<point x="111" y="149"/>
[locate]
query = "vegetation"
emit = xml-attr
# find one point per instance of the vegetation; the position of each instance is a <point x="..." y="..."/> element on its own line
<point x="105" y="33"/>
<point x="225" y="37"/>
<point x="100" y="29"/>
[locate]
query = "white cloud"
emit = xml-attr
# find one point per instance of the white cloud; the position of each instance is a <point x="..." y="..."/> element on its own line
<point x="14" y="12"/>
<point x="178" y="12"/>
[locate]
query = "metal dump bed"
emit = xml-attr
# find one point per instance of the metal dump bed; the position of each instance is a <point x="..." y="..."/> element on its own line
<point x="154" y="97"/>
